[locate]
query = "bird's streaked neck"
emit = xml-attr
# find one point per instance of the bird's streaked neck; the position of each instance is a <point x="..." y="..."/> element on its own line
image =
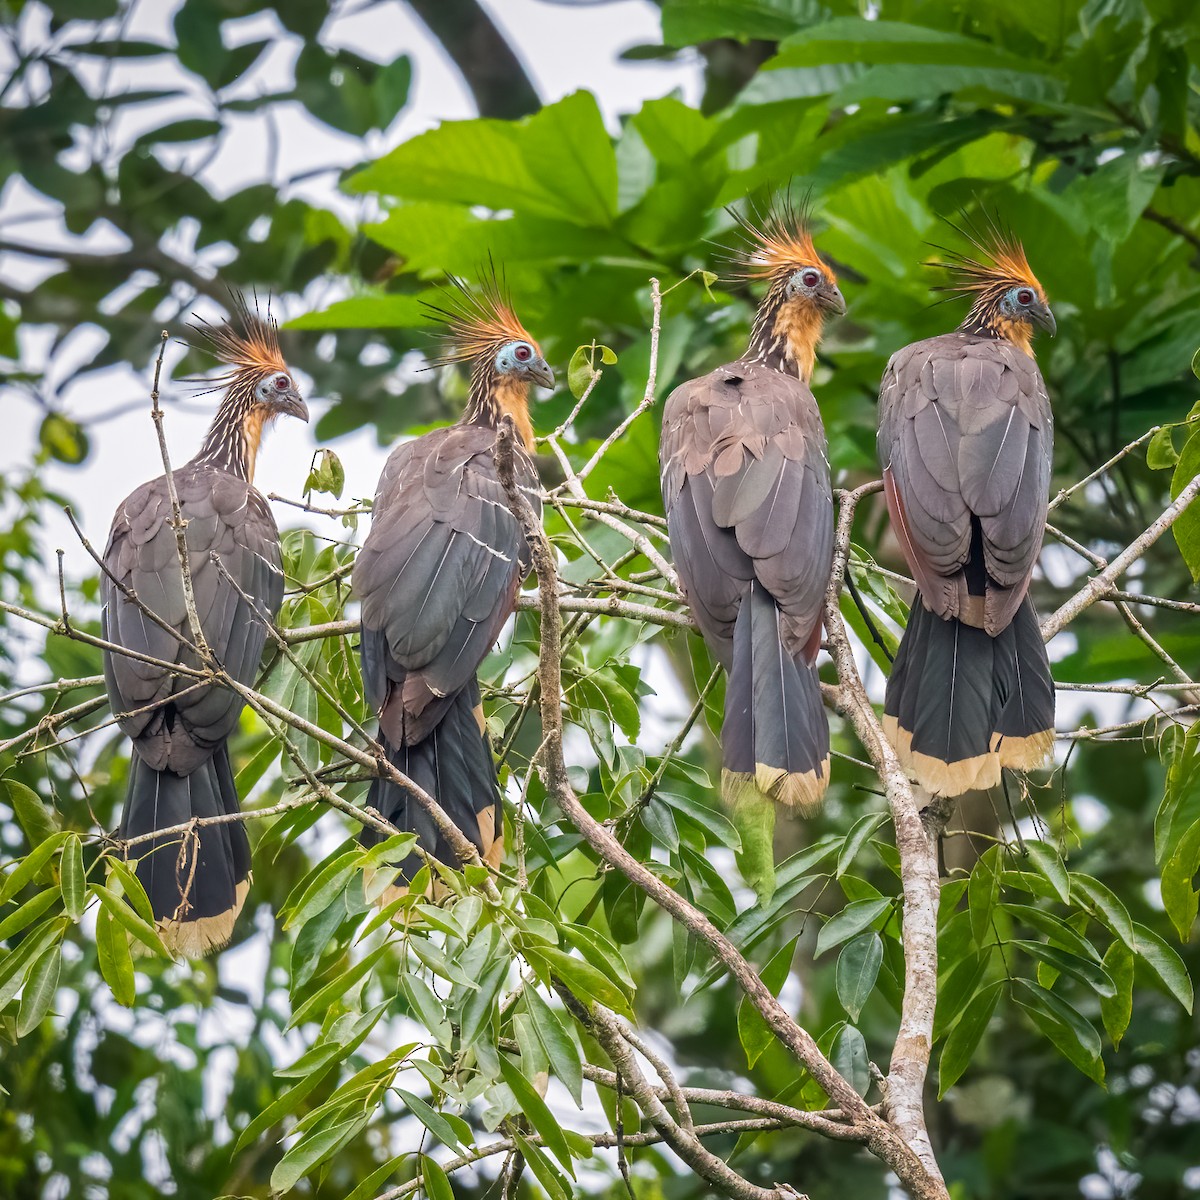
<point x="494" y="395"/>
<point x="232" y="442"/>
<point x="785" y="335"/>
<point x="986" y="320"/>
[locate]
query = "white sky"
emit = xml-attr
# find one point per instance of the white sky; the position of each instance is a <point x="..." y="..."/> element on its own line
<point x="564" y="47"/>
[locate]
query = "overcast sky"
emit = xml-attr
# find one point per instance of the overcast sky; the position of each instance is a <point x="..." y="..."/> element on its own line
<point x="564" y="47"/>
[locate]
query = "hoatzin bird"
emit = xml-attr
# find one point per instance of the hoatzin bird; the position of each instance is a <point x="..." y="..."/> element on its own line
<point x="180" y="769"/>
<point x="965" y="441"/>
<point x="437" y="578"/>
<point x="746" y="487"/>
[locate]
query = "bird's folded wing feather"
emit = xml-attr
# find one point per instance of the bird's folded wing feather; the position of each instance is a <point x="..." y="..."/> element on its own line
<point x="438" y="573"/>
<point x="224" y="516"/>
<point x="747" y="489"/>
<point x="965" y="431"/>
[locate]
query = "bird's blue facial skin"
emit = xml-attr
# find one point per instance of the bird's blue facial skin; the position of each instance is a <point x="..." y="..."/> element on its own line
<point x="515" y="357"/>
<point x="1016" y="302"/>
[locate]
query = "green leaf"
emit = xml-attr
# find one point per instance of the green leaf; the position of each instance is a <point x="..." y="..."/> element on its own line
<point x="317" y="890"/>
<point x="544" y="1171"/>
<point x="38" y="821"/>
<point x="116" y="962"/>
<point x="431" y="1119"/>
<point x="1064" y="1025"/>
<point x="860" y="833"/>
<point x="1187" y="527"/>
<point x="854" y="918"/>
<point x="1116" y="1010"/>
<point x="557" y="163"/>
<point x="145" y="933"/>
<point x="73" y="880"/>
<point x="559" y="1046"/>
<point x="966" y="1035"/>
<point x="1048" y="863"/>
<point x="311" y="1151"/>
<point x="849" y="1057"/>
<point x="1161" y="454"/>
<point x="1165" y="963"/>
<point x="1083" y="969"/>
<point x="31" y="866"/>
<point x="1180" y="897"/>
<point x="1104" y="904"/>
<point x="857" y="969"/>
<point x="540" y="1117"/>
<point x="437" y="1186"/>
<point x="754" y="819"/>
<point x="1196" y="363"/>
<point x="753" y="1032"/>
<point x="983" y="891"/>
<point x="27" y="913"/>
<point x="326" y="475"/>
<point x="582" y="978"/>
<point x="40" y="986"/>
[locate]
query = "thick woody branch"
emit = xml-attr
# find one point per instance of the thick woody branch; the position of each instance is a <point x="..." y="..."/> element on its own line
<point x="878" y="1135"/>
<point x="1099" y="585"/>
<point x="916" y="842"/>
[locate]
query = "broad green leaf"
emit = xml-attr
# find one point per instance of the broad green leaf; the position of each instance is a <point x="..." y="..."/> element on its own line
<point x="544" y="1171"/>
<point x="559" y="1046"/>
<point x="319" y="888"/>
<point x="1103" y="902"/>
<point x="437" y="1186"/>
<point x="116" y="962"/>
<point x="1187" y="527"/>
<point x="754" y="819"/>
<point x="1050" y="865"/>
<point x="849" y="1057"/>
<point x="1165" y="963"/>
<point x="860" y="833"/>
<point x="854" y="918"/>
<point x="311" y="1151"/>
<point x="582" y="978"/>
<point x="1116" y="1010"/>
<point x="1064" y="1025"/>
<point x="15" y="965"/>
<point x="1084" y="969"/>
<point x="40" y="986"/>
<point x="965" y="1037"/>
<point x="38" y="821"/>
<point x="72" y="878"/>
<point x="1180" y="897"/>
<point x="982" y="893"/>
<point x="857" y="969"/>
<point x="31" y="866"/>
<point x="1161" y="454"/>
<point x="115" y="905"/>
<point x="753" y="1032"/>
<point x="1055" y="928"/>
<point x="540" y="1117"/>
<point x="27" y="913"/>
<point x="433" y="1120"/>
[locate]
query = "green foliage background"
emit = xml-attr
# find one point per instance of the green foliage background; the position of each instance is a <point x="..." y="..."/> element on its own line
<point x="1079" y="123"/>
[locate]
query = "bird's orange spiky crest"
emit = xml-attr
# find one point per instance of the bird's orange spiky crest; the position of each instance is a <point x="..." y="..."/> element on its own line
<point x="479" y="323"/>
<point x="778" y="242"/>
<point x="247" y="341"/>
<point x="1000" y="265"/>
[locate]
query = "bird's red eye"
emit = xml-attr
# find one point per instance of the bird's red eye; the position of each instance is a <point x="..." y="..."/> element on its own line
<point x="523" y="353"/>
<point x="1024" y="296"/>
<point x="282" y="383"/>
<point x="811" y="278"/>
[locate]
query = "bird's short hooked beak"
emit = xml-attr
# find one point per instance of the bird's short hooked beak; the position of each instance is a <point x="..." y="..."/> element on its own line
<point x="541" y="374"/>
<point x="294" y="406"/>
<point x="1042" y="316"/>
<point x="833" y="300"/>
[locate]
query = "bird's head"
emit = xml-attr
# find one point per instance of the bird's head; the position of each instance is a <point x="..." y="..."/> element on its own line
<point x="505" y="360"/>
<point x="802" y="288"/>
<point x="1006" y="299"/>
<point x="258" y="384"/>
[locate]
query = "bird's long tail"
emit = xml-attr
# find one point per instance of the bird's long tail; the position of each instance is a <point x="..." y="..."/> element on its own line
<point x="454" y="765"/>
<point x="960" y="704"/>
<point x="775" y="736"/>
<point x="196" y="880"/>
